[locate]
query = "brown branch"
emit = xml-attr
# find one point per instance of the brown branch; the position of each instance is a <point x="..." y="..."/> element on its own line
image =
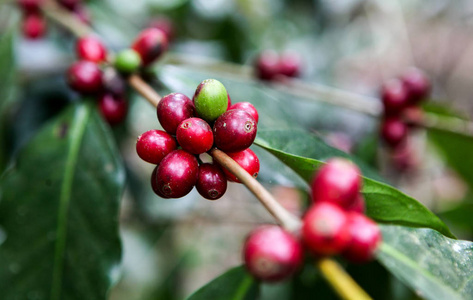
<point x="144" y="89"/>
<point x="60" y="15"/>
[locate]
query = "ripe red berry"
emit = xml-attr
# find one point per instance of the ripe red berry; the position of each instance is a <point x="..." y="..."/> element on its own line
<point x="165" y="25"/>
<point x="393" y="131"/>
<point x="173" y="109"/>
<point x="324" y="229"/>
<point x="30" y="6"/>
<point x="113" y="108"/>
<point x="248" y="107"/>
<point x="248" y="160"/>
<point x="337" y="182"/>
<point x="195" y="135"/>
<point x="417" y="85"/>
<point x="34" y="26"/>
<point x="177" y="174"/>
<point x="154" y="183"/>
<point x="394" y="97"/>
<point x="290" y="64"/>
<point x="91" y="49"/>
<point x="365" y="237"/>
<point x="272" y="254"/>
<point x="267" y="65"/>
<point x="358" y="206"/>
<point x="150" y="44"/>
<point x="235" y="130"/>
<point x="211" y="182"/>
<point x="153" y="145"/>
<point x="113" y="82"/>
<point x="85" y="77"/>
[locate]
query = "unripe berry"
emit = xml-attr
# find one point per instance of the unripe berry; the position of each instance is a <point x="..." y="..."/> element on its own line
<point x="394" y="97"/>
<point x="127" y="61"/>
<point x="30" y="6"/>
<point x="272" y="254"/>
<point x="85" y="77"/>
<point x="290" y="64"/>
<point x="165" y="25"/>
<point x="210" y="99"/>
<point x="324" y="229"/>
<point x="91" y="49"/>
<point x="154" y="184"/>
<point x="195" y="135"/>
<point x="417" y="85"/>
<point x="365" y="237"/>
<point x="173" y="109"/>
<point x="211" y="182"/>
<point x="393" y="131"/>
<point x="248" y="160"/>
<point x="113" y="108"/>
<point x="153" y="145"/>
<point x="267" y="65"/>
<point x="235" y="130"/>
<point x="34" y="26"/>
<point x="177" y="174"/>
<point x="150" y="44"/>
<point x="248" y="107"/>
<point x="337" y="182"/>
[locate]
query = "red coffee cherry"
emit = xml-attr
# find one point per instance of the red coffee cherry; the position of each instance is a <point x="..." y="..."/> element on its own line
<point x="30" y="6"/>
<point x="113" y="108"/>
<point x="248" y="107"/>
<point x="248" y="160"/>
<point x="154" y="184"/>
<point x="365" y="237"/>
<point x="177" y="174"/>
<point x="173" y="109"/>
<point x="91" y="49"/>
<point x="393" y="131"/>
<point x="150" y="44"/>
<point x="211" y="182"/>
<point x="272" y="254"/>
<point x="85" y="77"/>
<point x="337" y="182"/>
<point x="290" y="64"/>
<point x="234" y="130"/>
<point x="153" y="145"/>
<point x="267" y="65"/>
<point x="358" y="206"/>
<point x="417" y="85"/>
<point x="165" y="25"/>
<point x="113" y="82"/>
<point x="394" y="97"/>
<point x="195" y="135"/>
<point x="34" y="26"/>
<point x="324" y="229"/>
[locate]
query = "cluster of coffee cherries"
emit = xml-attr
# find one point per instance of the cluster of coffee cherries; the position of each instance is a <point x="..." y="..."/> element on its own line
<point x="334" y="224"/>
<point x="34" y="23"/>
<point x="192" y="128"/>
<point x="269" y="65"/>
<point x="92" y="75"/>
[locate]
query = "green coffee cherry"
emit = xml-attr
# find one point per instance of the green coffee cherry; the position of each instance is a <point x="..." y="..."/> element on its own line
<point x="127" y="61"/>
<point x="210" y="99"/>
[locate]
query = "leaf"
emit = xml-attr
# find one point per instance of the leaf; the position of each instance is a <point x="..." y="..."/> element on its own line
<point x="298" y="149"/>
<point x="235" y="284"/>
<point x="435" y="266"/>
<point x="59" y="212"/>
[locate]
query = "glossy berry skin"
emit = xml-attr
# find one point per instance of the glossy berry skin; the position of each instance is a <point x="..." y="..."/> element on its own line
<point x="195" y="135"/>
<point x="417" y="85"/>
<point x="248" y="160"/>
<point x="165" y="25"/>
<point x="85" y="77"/>
<point x="91" y="49"/>
<point x="177" y="174"/>
<point x="127" y="61"/>
<point x="289" y="64"/>
<point x="211" y="182"/>
<point x="153" y="145"/>
<point x="154" y="184"/>
<point x="394" y="97"/>
<point x="338" y="182"/>
<point x="393" y="131"/>
<point x="173" y="109"/>
<point x="324" y="229"/>
<point x="30" y="6"/>
<point x="272" y="254"/>
<point x="267" y="65"/>
<point x="248" y="107"/>
<point x="34" y="26"/>
<point x="234" y="131"/>
<point x="150" y="44"/>
<point x="113" y="109"/>
<point x="210" y="99"/>
<point x="365" y="238"/>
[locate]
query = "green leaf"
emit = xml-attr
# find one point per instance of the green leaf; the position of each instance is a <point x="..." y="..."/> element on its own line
<point x="59" y="212"/>
<point x="436" y="267"/>
<point x="235" y="284"/>
<point x="298" y="149"/>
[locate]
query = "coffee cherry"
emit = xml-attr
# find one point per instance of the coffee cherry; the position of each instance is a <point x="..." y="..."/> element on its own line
<point x="127" y="61"/>
<point x="211" y="182"/>
<point x="113" y="108"/>
<point x="85" y="77"/>
<point x="177" y="174"/>
<point x="154" y="184"/>
<point x="195" y="135"/>
<point x="394" y="97"/>
<point x="417" y="85"/>
<point x="153" y="145"/>
<point x="91" y="49"/>
<point x="30" y="6"/>
<point x="267" y="65"/>
<point x="337" y="182"/>
<point x="248" y="107"/>
<point x="210" y="99"/>
<point x="113" y="82"/>
<point x="272" y="254"/>
<point x="393" y="131"/>
<point x="324" y="229"/>
<point x="150" y="44"/>
<point x="173" y="109"/>
<point x="365" y="237"/>
<point x="34" y="26"/>
<point x="235" y="130"/>
<point x="289" y="64"/>
<point x="248" y="160"/>
<point x="165" y="25"/>
<point x="358" y="206"/>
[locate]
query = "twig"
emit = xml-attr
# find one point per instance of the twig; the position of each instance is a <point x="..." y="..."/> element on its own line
<point x="60" y="15"/>
<point x="144" y="89"/>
